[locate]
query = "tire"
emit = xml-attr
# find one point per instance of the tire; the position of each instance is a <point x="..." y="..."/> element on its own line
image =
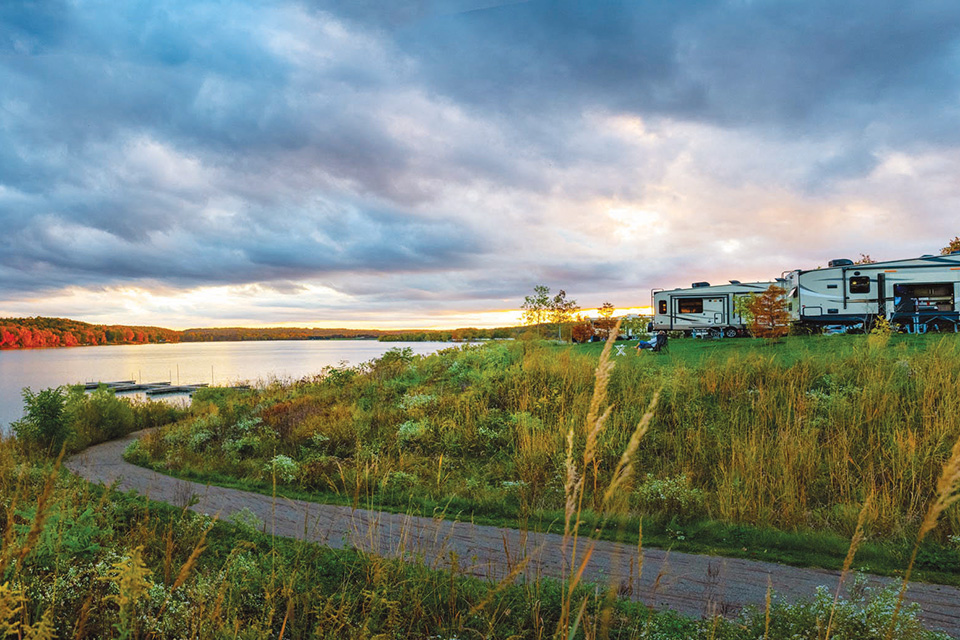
<point x="730" y="332"/>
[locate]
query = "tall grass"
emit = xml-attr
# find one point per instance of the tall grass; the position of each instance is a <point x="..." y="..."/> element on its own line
<point x="792" y="439"/>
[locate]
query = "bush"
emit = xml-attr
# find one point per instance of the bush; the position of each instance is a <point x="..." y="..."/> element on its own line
<point x="413" y="433"/>
<point x="135" y="453"/>
<point x="866" y="615"/>
<point x="282" y="467"/>
<point x="45" y="424"/>
<point x="674" y="497"/>
<point x="98" y="416"/>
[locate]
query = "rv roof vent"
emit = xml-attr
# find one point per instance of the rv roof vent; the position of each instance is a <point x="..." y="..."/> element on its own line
<point x="697" y="285"/>
<point x="952" y="253"/>
<point x="840" y="262"/>
<point x="734" y="282"/>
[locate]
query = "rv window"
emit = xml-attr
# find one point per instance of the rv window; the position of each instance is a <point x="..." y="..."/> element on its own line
<point x="662" y="308"/>
<point x="860" y="284"/>
<point x="690" y="305"/>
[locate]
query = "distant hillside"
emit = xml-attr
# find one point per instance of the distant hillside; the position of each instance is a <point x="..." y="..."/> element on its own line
<point x="39" y="332"/>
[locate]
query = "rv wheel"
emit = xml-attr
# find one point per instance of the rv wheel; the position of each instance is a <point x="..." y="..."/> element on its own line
<point x="730" y="332"/>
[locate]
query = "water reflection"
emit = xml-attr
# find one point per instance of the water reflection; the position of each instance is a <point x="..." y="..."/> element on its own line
<point x="217" y="363"/>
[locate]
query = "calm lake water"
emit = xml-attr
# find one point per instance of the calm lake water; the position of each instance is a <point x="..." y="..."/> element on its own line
<point x="220" y="363"/>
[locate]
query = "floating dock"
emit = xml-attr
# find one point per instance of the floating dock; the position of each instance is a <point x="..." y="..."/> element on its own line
<point x="174" y="388"/>
<point x="90" y="386"/>
<point x="153" y="388"/>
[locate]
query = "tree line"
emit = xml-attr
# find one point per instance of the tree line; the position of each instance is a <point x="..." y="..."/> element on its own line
<point x="39" y="332"/>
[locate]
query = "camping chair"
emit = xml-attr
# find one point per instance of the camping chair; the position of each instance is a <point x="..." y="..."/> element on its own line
<point x="663" y="344"/>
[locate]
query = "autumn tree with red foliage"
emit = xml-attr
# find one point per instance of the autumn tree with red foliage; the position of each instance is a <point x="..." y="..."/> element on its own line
<point x="582" y="331"/>
<point x="770" y="316"/>
<point x="40" y="332"/>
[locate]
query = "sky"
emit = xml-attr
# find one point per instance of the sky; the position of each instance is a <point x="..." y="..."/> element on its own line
<point x="426" y="163"/>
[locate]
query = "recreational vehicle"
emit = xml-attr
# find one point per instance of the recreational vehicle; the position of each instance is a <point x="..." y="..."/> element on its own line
<point x="918" y="294"/>
<point x="703" y="307"/>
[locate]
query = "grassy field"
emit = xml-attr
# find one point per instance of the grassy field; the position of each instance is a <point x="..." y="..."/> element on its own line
<point x="755" y="449"/>
<point x="516" y="431"/>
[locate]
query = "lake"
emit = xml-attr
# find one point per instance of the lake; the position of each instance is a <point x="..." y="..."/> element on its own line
<point x="219" y="363"/>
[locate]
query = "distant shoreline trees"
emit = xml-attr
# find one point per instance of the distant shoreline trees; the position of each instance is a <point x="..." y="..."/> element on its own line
<point x="40" y="332"/>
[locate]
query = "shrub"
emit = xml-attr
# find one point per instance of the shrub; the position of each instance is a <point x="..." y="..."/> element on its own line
<point x="413" y="433"/>
<point x="45" y="424"/>
<point x="673" y="496"/>
<point x="398" y="481"/>
<point x="135" y="453"/>
<point x="282" y="467"/>
<point x="99" y="416"/>
<point x="866" y="615"/>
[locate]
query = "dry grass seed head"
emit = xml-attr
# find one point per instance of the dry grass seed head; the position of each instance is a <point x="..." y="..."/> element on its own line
<point x="11" y="603"/>
<point x="948" y="486"/>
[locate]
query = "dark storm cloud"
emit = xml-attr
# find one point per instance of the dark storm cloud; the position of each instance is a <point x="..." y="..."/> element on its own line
<point x="812" y="64"/>
<point x="48" y="252"/>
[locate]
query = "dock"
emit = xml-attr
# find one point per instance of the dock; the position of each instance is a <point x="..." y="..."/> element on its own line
<point x="174" y="388"/>
<point x="90" y="386"/>
<point x="125" y="386"/>
<point x="153" y="388"/>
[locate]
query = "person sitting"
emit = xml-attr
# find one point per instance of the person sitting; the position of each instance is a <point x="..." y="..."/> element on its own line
<point x="648" y="344"/>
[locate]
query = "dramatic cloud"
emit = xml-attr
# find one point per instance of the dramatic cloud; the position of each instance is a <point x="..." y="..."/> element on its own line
<point x="191" y="163"/>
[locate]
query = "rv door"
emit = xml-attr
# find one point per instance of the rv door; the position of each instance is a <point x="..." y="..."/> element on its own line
<point x="713" y="309"/>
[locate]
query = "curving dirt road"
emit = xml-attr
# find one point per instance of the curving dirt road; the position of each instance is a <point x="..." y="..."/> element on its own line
<point x="693" y="585"/>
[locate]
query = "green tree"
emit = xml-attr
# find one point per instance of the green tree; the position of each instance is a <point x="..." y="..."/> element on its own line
<point x="535" y="307"/>
<point x="952" y="247"/>
<point x="45" y="424"/>
<point x="741" y="306"/>
<point x="562" y="310"/>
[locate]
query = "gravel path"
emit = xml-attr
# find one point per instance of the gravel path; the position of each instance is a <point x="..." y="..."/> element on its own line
<point x="693" y="585"/>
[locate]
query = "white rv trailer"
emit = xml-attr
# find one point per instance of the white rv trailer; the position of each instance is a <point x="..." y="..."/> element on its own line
<point x="703" y="307"/>
<point x="919" y="294"/>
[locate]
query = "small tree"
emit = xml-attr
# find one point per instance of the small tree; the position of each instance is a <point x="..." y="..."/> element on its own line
<point x="741" y="307"/>
<point x="606" y="321"/>
<point x="770" y="317"/>
<point x="535" y="307"/>
<point x="45" y="423"/>
<point x="582" y="331"/>
<point x="952" y="247"/>
<point x="864" y="259"/>
<point x="562" y="310"/>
